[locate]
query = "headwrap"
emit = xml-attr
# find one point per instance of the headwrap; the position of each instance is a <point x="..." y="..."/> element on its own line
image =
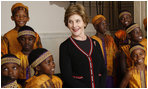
<point x="136" y="47"/>
<point x="26" y="32"/>
<point x="10" y="60"/>
<point x="145" y="22"/>
<point x="97" y="19"/>
<point x="18" y="5"/>
<point x="124" y="13"/>
<point x="131" y="28"/>
<point x="40" y="59"/>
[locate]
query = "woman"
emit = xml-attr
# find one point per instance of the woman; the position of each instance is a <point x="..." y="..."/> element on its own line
<point x="81" y="60"/>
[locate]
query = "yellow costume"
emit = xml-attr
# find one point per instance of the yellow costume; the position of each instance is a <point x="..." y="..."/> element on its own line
<point x="136" y="79"/>
<point x="4" y="46"/>
<point x="23" y="63"/>
<point x="43" y="81"/>
<point x="13" y="84"/>
<point x="125" y="48"/>
<point x="14" y="45"/>
<point x="111" y="50"/>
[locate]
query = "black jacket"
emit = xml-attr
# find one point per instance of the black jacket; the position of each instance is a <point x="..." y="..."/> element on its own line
<point x="79" y="69"/>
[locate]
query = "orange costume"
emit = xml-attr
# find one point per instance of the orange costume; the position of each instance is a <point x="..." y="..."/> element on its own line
<point x="24" y="64"/>
<point x="14" y="45"/>
<point x="12" y="35"/>
<point x="111" y="49"/>
<point x="4" y="46"/>
<point x="44" y="81"/>
<point x="121" y="34"/>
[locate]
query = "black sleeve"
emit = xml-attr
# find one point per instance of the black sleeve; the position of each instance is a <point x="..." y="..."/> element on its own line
<point x="103" y="67"/>
<point x="66" y="70"/>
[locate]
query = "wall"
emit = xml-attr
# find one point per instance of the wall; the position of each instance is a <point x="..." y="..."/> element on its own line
<point x="140" y="12"/>
<point x="47" y="18"/>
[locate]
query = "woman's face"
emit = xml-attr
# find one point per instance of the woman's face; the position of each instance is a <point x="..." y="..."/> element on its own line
<point x="76" y="25"/>
<point x="138" y="55"/>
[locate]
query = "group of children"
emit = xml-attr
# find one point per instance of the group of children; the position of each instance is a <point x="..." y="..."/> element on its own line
<point x="124" y="53"/>
<point x="24" y="63"/>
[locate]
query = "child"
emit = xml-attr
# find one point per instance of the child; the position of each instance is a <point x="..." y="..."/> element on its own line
<point x="20" y="16"/>
<point x="134" y="34"/>
<point x="136" y="76"/>
<point x="125" y="18"/>
<point x="108" y="47"/>
<point x="10" y="68"/>
<point x="42" y="62"/>
<point x="26" y="37"/>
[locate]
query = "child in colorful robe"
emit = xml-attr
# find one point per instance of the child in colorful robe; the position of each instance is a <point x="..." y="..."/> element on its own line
<point x="10" y="69"/>
<point x="42" y="63"/>
<point x="136" y="76"/>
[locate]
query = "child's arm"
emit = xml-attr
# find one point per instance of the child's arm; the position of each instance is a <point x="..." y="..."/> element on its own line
<point x="125" y="80"/>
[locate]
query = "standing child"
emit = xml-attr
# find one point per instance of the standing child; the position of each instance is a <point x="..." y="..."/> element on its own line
<point x="20" y="16"/>
<point x="136" y="76"/>
<point x="108" y="47"/>
<point x="10" y="68"/>
<point x="125" y="18"/>
<point x="42" y="62"/>
<point x="26" y="37"/>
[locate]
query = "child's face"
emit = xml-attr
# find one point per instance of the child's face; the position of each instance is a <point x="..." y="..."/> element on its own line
<point x="138" y="55"/>
<point x="20" y="18"/>
<point x="126" y="20"/>
<point x="48" y="66"/>
<point x="101" y="27"/>
<point x="10" y="71"/>
<point x="136" y="35"/>
<point x="27" y="42"/>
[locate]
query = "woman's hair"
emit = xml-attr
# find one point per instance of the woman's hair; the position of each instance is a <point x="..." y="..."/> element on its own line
<point x="76" y="9"/>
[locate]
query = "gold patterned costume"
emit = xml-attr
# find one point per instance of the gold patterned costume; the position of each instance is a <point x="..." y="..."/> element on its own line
<point x="43" y="81"/>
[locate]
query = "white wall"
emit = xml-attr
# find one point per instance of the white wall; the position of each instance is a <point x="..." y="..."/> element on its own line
<point x="140" y="13"/>
<point x="47" y="19"/>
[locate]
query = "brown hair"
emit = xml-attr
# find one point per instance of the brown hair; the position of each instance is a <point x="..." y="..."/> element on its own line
<point x="76" y="9"/>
